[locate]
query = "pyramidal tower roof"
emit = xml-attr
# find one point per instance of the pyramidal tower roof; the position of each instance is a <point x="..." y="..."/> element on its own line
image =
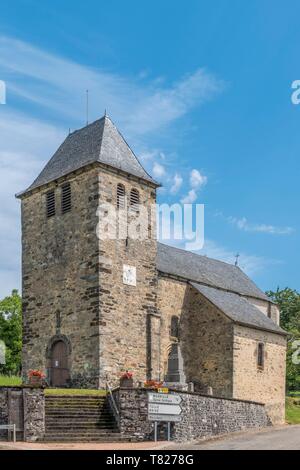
<point x="99" y="142"/>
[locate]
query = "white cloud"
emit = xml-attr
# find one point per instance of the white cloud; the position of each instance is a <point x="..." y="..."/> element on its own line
<point x="243" y="224"/>
<point x="190" y="197"/>
<point x="177" y="183"/>
<point x="158" y="170"/>
<point x="59" y="84"/>
<point x="148" y="155"/>
<point x="197" y="180"/>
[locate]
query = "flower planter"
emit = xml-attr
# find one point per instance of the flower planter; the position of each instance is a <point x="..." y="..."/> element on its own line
<point x="36" y="378"/>
<point x="126" y="382"/>
<point x="36" y="381"/>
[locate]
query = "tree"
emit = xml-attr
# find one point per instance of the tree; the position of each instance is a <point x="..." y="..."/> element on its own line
<point x="11" y="332"/>
<point x="288" y="301"/>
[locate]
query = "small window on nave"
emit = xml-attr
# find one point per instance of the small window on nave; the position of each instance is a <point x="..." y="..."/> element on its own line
<point x="261" y="355"/>
<point x="174" y="329"/>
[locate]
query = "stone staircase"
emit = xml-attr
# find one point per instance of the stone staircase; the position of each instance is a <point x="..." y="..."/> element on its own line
<point x="83" y="418"/>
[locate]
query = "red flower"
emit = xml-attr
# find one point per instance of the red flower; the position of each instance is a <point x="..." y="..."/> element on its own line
<point x="127" y="375"/>
<point x="36" y="373"/>
<point x="152" y="384"/>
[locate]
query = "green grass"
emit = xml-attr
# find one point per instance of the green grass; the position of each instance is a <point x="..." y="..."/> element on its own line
<point x="292" y="410"/>
<point x="294" y="394"/>
<point x="74" y="391"/>
<point x="14" y="380"/>
<point x="10" y="380"/>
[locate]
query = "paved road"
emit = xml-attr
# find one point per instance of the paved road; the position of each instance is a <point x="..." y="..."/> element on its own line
<point x="281" y="438"/>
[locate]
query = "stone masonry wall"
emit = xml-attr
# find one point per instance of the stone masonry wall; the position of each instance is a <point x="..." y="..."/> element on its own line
<point x="267" y="384"/>
<point x="202" y="416"/>
<point x="60" y="277"/>
<point x="34" y="414"/>
<point x="267" y="308"/>
<point x="126" y="311"/>
<point x="68" y="271"/>
<point x="205" y="336"/>
<point x="29" y="409"/>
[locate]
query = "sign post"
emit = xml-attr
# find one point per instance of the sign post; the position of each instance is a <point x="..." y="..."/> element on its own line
<point x="164" y="407"/>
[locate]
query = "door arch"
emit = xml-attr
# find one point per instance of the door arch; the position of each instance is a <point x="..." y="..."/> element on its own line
<point x="59" y="364"/>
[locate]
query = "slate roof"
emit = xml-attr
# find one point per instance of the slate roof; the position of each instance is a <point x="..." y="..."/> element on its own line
<point x="206" y="270"/>
<point x="238" y="309"/>
<point x="100" y="142"/>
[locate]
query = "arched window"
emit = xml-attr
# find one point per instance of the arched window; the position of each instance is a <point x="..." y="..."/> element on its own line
<point x="134" y="199"/>
<point x="120" y="196"/>
<point x="174" y="330"/>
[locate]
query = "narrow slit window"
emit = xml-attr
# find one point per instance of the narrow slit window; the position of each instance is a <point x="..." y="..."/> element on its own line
<point x="120" y="196"/>
<point x="261" y="355"/>
<point x="66" y="203"/>
<point x="134" y="199"/>
<point x="174" y="330"/>
<point x="50" y="204"/>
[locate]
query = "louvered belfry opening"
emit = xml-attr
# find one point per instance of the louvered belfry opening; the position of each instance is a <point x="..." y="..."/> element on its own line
<point x="50" y="204"/>
<point x="66" y="203"/>
<point x="120" y="196"/>
<point x="134" y="199"/>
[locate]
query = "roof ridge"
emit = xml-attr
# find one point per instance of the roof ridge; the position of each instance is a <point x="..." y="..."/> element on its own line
<point x="127" y="144"/>
<point x="132" y="151"/>
<point x="201" y="256"/>
<point x="86" y="126"/>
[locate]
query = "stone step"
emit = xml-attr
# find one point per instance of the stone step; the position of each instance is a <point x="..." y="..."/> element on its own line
<point x="74" y="438"/>
<point x="84" y="419"/>
<point x="90" y="402"/>
<point x="67" y="423"/>
<point x="80" y="413"/>
<point x="73" y="402"/>
<point x="75" y="397"/>
<point x="81" y="428"/>
<point x="79" y="419"/>
<point x="72" y="407"/>
<point x="63" y="421"/>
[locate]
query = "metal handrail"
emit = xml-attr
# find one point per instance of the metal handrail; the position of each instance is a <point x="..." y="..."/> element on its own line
<point x="109" y="390"/>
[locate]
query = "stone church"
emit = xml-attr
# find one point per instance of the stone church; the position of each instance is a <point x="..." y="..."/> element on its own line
<point x="94" y="308"/>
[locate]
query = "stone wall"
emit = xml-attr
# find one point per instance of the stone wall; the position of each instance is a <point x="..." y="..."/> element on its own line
<point x="202" y="416"/>
<point x="267" y="384"/>
<point x="126" y="311"/>
<point x="60" y="278"/>
<point x="205" y="336"/>
<point x="25" y="407"/>
<point x="68" y="273"/>
<point x="267" y="308"/>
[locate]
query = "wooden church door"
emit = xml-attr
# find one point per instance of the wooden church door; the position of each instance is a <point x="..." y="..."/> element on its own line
<point x="59" y="364"/>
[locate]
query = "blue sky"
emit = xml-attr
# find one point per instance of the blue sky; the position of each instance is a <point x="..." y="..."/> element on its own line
<point x="202" y="92"/>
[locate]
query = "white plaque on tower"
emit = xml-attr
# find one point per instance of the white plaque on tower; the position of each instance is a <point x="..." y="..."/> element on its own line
<point x="129" y="275"/>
